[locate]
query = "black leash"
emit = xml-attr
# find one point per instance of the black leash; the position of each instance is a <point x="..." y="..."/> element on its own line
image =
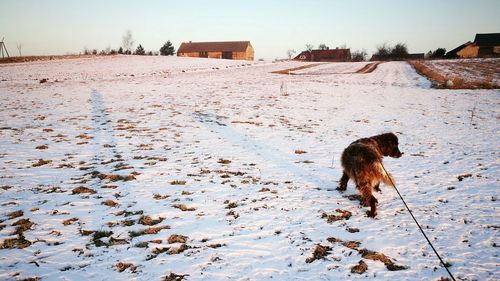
<point x="421" y="230"/>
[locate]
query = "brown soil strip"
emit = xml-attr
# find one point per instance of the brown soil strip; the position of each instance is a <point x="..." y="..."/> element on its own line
<point x="443" y="82"/>
<point x="290" y="70"/>
<point x="369" y="68"/>
<point x="43" y="58"/>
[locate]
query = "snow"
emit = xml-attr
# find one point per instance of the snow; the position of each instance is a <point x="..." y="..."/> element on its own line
<point x="224" y="128"/>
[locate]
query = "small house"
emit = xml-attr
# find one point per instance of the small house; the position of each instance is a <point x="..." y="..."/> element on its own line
<point x="233" y="50"/>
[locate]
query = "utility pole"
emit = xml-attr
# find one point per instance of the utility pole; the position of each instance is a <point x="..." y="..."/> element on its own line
<point x="3" y="49"/>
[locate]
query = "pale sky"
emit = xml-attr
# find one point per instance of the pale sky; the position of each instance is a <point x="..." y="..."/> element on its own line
<point x="273" y="27"/>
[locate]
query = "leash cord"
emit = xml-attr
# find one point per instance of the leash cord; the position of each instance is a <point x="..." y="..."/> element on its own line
<point x="421" y="230"/>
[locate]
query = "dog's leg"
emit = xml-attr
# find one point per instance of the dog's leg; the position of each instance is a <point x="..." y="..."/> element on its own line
<point x="377" y="188"/>
<point x="373" y="207"/>
<point x="369" y="199"/>
<point x="343" y="182"/>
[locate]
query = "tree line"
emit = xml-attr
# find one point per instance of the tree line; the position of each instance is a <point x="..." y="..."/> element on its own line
<point x="383" y="51"/>
<point x="127" y="48"/>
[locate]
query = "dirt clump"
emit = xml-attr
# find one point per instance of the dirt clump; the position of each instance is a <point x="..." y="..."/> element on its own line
<point x="174" y="238"/>
<point x="147" y="220"/>
<point x="343" y="215"/>
<point x="82" y="189"/>
<point x="109" y="203"/>
<point x="15" y="214"/>
<point x="184" y="208"/>
<point x="360" y="268"/>
<point x="69" y="221"/>
<point x="122" y="266"/>
<point x="41" y="162"/>
<point x="175" y="277"/>
<point x="319" y="252"/>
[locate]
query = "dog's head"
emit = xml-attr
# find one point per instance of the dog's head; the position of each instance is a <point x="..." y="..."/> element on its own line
<point x="388" y="145"/>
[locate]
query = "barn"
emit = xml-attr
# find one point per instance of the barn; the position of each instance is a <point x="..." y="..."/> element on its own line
<point x="233" y="50"/>
<point x="485" y="45"/>
<point x="333" y="55"/>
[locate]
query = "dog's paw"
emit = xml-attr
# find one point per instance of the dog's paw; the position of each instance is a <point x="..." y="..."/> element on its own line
<point x="371" y="214"/>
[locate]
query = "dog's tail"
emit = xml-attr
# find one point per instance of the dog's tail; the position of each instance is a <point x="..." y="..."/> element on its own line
<point x="383" y="175"/>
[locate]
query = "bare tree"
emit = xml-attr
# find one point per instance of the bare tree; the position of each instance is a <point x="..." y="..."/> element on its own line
<point x="19" y="47"/>
<point x="323" y="46"/>
<point x="290" y="53"/>
<point x="128" y="41"/>
<point x="383" y="49"/>
<point x="359" y="55"/>
<point x="309" y="47"/>
<point x="400" y="51"/>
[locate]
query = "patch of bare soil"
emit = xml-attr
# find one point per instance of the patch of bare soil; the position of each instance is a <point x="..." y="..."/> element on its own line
<point x="319" y="252"/>
<point x="175" y="277"/>
<point x="97" y="237"/>
<point x="455" y="81"/>
<point x="174" y="238"/>
<point x="112" y="177"/>
<point x="42" y="58"/>
<point x="184" y="208"/>
<point x="342" y="215"/>
<point x="41" y="162"/>
<point x="69" y="221"/>
<point x="110" y="203"/>
<point x="15" y="214"/>
<point x="369" y="68"/>
<point x="151" y="230"/>
<point x="290" y="70"/>
<point x="360" y="268"/>
<point x="122" y="266"/>
<point x="368" y="254"/>
<point x="82" y="189"/>
<point x="147" y="220"/>
<point x="19" y="242"/>
<point x="178" y="182"/>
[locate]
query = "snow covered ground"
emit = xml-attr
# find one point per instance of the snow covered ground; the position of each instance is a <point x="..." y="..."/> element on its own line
<point x="140" y="168"/>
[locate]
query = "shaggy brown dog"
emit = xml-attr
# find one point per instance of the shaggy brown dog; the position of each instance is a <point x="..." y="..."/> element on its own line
<point x="362" y="162"/>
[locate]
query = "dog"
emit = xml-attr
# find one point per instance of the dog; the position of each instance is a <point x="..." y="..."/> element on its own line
<point x="362" y="162"/>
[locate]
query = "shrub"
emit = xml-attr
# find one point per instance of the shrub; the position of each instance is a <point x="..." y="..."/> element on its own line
<point x="400" y="51"/>
<point x="140" y="51"/>
<point x="167" y="49"/>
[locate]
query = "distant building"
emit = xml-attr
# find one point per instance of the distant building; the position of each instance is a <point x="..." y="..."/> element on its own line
<point x="485" y="45"/>
<point x="332" y="55"/>
<point x="454" y="53"/>
<point x="233" y="50"/>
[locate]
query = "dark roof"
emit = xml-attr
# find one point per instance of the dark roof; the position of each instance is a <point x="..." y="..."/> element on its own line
<point x="325" y="55"/>
<point x="229" y="46"/>
<point x="454" y="52"/>
<point x="487" y="39"/>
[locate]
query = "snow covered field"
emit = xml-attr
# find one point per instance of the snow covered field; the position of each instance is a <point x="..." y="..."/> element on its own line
<point x="469" y="69"/>
<point x="141" y="168"/>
